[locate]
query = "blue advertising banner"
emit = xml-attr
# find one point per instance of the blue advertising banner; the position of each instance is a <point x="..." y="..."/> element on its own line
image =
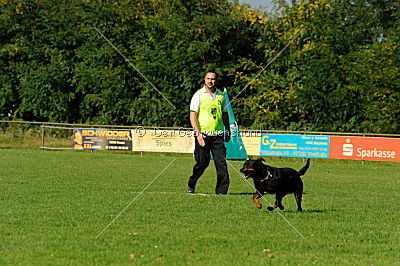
<point x="308" y="146"/>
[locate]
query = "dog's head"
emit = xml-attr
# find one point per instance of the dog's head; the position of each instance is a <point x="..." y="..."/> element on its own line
<point x="252" y="168"/>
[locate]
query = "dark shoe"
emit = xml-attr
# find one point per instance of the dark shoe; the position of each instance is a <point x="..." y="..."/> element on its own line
<point x="190" y="190"/>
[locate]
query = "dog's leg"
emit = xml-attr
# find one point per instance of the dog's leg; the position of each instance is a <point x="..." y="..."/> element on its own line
<point x="279" y="198"/>
<point x="256" y="196"/>
<point x="270" y="208"/>
<point x="278" y="202"/>
<point x="298" y="195"/>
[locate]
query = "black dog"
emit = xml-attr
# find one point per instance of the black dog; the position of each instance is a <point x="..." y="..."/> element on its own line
<point x="272" y="180"/>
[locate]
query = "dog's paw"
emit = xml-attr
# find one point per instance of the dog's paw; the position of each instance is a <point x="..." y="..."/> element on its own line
<point x="259" y="206"/>
<point x="299" y="210"/>
<point x="281" y="207"/>
<point x="270" y="208"/>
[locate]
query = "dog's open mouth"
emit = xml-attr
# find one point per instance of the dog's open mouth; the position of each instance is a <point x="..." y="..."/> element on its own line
<point x="247" y="173"/>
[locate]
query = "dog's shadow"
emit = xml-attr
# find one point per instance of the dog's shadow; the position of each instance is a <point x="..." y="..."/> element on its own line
<point x="309" y="211"/>
<point x="249" y="193"/>
<point x="286" y="210"/>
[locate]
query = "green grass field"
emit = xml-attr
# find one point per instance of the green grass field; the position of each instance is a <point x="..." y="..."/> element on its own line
<point x="53" y="205"/>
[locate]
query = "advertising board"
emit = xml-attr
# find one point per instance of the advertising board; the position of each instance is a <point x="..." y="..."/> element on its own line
<point x="102" y="139"/>
<point x="285" y="145"/>
<point x="158" y="140"/>
<point x="365" y="148"/>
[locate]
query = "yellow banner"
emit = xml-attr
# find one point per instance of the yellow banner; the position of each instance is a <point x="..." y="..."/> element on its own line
<point x="252" y="145"/>
<point x="156" y="140"/>
<point x="180" y="141"/>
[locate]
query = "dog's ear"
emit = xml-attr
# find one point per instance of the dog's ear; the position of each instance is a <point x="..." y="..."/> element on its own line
<point x="259" y="161"/>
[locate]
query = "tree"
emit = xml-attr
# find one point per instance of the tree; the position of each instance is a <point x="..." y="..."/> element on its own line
<point x="62" y="70"/>
<point x="323" y="80"/>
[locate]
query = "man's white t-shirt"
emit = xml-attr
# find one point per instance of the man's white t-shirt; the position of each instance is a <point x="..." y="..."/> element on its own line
<point x="195" y="103"/>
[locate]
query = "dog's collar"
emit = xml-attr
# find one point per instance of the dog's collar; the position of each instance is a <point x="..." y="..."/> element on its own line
<point x="267" y="177"/>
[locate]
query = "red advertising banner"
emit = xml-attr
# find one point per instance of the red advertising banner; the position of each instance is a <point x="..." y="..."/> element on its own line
<point x="364" y="148"/>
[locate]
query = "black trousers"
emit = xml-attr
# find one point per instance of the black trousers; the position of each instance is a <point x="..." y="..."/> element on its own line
<point x="215" y="144"/>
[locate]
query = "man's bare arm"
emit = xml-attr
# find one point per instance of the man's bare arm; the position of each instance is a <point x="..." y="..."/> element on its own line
<point x="195" y="125"/>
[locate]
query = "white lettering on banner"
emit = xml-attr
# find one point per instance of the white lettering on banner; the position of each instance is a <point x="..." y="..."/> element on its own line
<point x="347" y="148"/>
<point x="320" y="143"/>
<point x="375" y="153"/>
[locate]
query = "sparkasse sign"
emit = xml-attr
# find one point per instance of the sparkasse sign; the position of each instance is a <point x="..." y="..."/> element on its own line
<point x="365" y="148"/>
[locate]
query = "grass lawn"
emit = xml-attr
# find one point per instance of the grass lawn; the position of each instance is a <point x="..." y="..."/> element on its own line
<point x="53" y="205"/>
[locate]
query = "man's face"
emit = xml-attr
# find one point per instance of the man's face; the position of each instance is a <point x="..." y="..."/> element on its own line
<point x="210" y="80"/>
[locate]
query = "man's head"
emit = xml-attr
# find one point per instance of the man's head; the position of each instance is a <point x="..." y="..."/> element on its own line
<point x="211" y="79"/>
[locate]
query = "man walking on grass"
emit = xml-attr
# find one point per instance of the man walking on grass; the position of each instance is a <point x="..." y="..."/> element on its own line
<point x="208" y="114"/>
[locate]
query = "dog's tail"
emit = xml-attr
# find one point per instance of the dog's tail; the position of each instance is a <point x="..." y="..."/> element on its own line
<point x="305" y="168"/>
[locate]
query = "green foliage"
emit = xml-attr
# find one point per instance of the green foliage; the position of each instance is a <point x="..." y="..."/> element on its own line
<point x="64" y="71"/>
<point x="28" y="136"/>
<point x="340" y="74"/>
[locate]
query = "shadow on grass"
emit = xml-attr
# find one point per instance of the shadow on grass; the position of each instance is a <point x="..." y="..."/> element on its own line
<point x="252" y="193"/>
<point x="315" y="211"/>
<point x="310" y="211"/>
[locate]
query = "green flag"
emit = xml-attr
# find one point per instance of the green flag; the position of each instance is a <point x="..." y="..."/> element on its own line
<point x="234" y="148"/>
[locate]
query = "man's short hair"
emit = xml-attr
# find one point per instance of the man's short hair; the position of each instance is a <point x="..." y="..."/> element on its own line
<point x="212" y="71"/>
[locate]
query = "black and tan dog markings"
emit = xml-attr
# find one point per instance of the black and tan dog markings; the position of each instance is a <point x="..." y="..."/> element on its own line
<point x="272" y="180"/>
